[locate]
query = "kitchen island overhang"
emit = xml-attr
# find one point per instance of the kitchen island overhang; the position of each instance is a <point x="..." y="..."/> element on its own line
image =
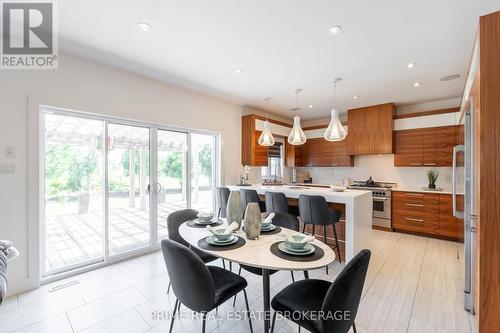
<point x="356" y="208"/>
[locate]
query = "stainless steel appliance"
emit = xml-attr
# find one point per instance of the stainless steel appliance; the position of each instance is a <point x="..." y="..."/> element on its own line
<point x="381" y="193"/>
<point x="463" y="175"/>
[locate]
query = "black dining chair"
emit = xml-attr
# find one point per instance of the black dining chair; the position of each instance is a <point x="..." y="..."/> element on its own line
<point x="174" y="220"/>
<point x="302" y="302"/>
<point x="314" y="210"/>
<point x="278" y="202"/>
<point x="284" y="220"/>
<point x="248" y="196"/>
<point x="197" y="286"/>
<point x="222" y="198"/>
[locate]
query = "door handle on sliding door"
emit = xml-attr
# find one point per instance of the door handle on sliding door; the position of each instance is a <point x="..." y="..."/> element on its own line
<point x="456" y="213"/>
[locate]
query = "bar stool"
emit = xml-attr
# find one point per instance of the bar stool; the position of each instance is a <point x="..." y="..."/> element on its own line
<point x="276" y="202"/>
<point x="248" y="196"/>
<point x="314" y="210"/>
<point x="222" y="198"/>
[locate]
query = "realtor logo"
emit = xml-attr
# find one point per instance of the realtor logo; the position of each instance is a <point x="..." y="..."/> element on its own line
<point x="29" y="38"/>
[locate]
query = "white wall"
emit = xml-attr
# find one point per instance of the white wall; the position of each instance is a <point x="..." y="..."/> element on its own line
<point x="87" y="86"/>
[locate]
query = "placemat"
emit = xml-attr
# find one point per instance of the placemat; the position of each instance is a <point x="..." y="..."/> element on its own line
<point x="194" y="225"/>
<point x="318" y="254"/>
<point x="204" y="245"/>
<point x="276" y="230"/>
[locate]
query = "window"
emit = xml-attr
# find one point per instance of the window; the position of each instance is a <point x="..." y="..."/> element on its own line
<point x="274" y="168"/>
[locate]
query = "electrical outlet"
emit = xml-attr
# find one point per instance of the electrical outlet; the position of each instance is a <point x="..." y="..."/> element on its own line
<point x="10" y="152"/>
<point x="7" y="169"/>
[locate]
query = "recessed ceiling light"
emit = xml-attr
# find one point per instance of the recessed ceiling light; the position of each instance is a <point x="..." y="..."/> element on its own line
<point x="144" y="26"/>
<point x="417" y="84"/>
<point x="336" y="30"/>
<point x="450" y="77"/>
<point x="238" y="70"/>
<point x="311" y="106"/>
<point x="412" y="64"/>
<point x="356" y="97"/>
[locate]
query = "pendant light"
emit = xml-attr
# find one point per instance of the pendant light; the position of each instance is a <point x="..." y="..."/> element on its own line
<point x="297" y="136"/>
<point x="266" y="138"/>
<point x="335" y="130"/>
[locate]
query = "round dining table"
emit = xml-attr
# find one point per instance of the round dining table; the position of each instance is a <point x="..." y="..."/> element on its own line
<point x="257" y="253"/>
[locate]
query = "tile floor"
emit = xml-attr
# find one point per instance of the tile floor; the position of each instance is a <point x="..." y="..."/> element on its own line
<point x="414" y="285"/>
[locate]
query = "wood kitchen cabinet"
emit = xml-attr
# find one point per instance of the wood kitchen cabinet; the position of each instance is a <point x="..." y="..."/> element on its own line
<point x="252" y="153"/>
<point x="426" y="214"/>
<point x="425" y="146"/>
<point x="318" y="152"/>
<point x="370" y="129"/>
<point x="293" y="155"/>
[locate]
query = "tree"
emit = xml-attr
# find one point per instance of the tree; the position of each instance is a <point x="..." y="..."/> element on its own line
<point x="205" y="158"/>
<point x="172" y="166"/>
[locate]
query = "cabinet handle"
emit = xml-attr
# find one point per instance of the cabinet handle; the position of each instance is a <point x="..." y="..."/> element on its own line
<point x="415" y="194"/>
<point x="415" y="220"/>
<point x="415" y="164"/>
<point x="334" y="165"/>
<point x="414" y="205"/>
<point x="430" y="164"/>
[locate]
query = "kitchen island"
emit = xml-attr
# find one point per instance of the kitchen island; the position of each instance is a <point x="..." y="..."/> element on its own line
<point x="356" y="206"/>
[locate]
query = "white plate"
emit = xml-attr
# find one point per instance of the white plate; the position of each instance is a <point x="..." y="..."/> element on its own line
<point x="270" y="228"/>
<point x="212" y="240"/>
<point x="205" y="222"/>
<point x="283" y="248"/>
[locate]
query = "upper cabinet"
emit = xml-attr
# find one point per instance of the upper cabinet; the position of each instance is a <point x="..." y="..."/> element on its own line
<point x="321" y="153"/>
<point x="252" y="153"/>
<point x="370" y="130"/>
<point x="425" y="146"/>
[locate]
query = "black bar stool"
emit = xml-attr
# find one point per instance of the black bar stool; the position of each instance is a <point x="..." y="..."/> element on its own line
<point x="277" y="202"/>
<point x="248" y="196"/>
<point x="222" y="198"/>
<point x="314" y="210"/>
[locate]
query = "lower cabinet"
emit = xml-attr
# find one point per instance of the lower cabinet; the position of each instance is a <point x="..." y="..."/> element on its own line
<point x="426" y="213"/>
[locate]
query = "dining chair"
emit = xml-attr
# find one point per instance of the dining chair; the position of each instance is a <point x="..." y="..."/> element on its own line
<point x="174" y="220"/>
<point x="278" y="202"/>
<point x="314" y="210"/>
<point x="320" y="306"/>
<point x="197" y="286"/>
<point x="248" y="196"/>
<point x="284" y="220"/>
<point x="222" y="198"/>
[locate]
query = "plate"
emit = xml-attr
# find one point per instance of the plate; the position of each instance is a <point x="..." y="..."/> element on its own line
<point x="206" y="222"/>
<point x="306" y="248"/>
<point x="283" y="248"/>
<point x="270" y="228"/>
<point x="212" y="240"/>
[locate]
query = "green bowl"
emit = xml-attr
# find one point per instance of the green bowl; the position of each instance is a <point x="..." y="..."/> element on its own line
<point x="296" y="242"/>
<point x="219" y="234"/>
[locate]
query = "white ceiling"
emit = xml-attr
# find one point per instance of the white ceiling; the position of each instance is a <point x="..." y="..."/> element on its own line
<point x="282" y="45"/>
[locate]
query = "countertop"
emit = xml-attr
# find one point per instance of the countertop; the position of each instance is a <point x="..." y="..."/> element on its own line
<point x="419" y="190"/>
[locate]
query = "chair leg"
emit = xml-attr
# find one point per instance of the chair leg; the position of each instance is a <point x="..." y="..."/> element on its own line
<point x="248" y="310"/>
<point x="168" y="289"/>
<point x="324" y="239"/>
<point x="204" y="324"/>
<point x="173" y="316"/>
<point x="231" y="266"/>
<point x="223" y="264"/>
<point x="336" y="242"/>
<point x="304" y="228"/>
<point x="234" y="300"/>
<point x="218" y="212"/>
<point x="293" y="277"/>
<point x="314" y="230"/>
<point x="306" y="275"/>
<point x="354" y="328"/>
<point x="273" y="322"/>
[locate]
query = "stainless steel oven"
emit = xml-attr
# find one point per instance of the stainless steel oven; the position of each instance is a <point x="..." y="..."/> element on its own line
<point x="381" y="193"/>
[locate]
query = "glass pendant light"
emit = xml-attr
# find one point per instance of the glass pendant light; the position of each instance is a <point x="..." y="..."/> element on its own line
<point x="335" y="130"/>
<point x="266" y="138"/>
<point x="297" y="136"/>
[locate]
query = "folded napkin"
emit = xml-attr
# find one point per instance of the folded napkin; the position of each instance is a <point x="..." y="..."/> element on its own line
<point x="5" y="245"/>
<point x="306" y="239"/>
<point x="269" y="219"/>
<point x="227" y="231"/>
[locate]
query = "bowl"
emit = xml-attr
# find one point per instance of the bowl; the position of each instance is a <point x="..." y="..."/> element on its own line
<point x="266" y="225"/>
<point x="219" y="234"/>
<point x="205" y="216"/>
<point x="338" y="188"/>
<point x="295" y="242"/>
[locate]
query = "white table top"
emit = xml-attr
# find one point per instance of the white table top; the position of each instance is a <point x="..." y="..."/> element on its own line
<point x="257" y="253"/>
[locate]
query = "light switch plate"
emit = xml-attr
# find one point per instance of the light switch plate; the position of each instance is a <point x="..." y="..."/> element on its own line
<point x="7" y="169"/>
<point x="10" y="152"/>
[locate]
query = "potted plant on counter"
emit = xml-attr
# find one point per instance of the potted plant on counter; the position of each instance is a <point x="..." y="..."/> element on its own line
<point x="432" y="176"/>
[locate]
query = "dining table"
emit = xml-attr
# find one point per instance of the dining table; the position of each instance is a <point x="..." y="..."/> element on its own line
<point x="258" y="253"/>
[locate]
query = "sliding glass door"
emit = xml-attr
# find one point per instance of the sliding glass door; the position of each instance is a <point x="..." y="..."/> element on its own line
<point x="109" y="185"/>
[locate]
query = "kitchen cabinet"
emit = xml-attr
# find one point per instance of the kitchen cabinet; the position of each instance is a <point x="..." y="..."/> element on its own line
<point x="293" y="155"/>
<point x="252" y="153"/>
<point x="370" y="129"/>
<point x="318" y="152"/>
<point x="425" y="146"/>
<point x="426" y="213"/>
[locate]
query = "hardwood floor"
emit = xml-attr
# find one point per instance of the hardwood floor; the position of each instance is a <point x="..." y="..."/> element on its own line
<point x="414" y="285"/>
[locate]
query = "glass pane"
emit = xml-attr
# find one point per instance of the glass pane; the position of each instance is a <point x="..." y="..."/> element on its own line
<point x="172" y="175"/>
<point x="73" y="191"/>
<point x="128" y="179"/>
<point x="202" y="171"/>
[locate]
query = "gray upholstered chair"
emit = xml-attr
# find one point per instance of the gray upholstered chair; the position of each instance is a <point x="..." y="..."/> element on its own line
<point x="222" y="198"/>
<point x="248" y="196"/>
<point x="278" y="202"/>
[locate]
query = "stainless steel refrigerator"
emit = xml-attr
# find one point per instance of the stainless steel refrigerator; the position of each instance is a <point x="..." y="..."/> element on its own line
<point x="463" y="180"/>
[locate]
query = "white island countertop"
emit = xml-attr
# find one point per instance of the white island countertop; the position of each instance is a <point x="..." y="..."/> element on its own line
<point x="358" y="210"/>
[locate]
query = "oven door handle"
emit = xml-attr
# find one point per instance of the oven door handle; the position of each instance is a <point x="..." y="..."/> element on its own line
<point x="381" y="199"/>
